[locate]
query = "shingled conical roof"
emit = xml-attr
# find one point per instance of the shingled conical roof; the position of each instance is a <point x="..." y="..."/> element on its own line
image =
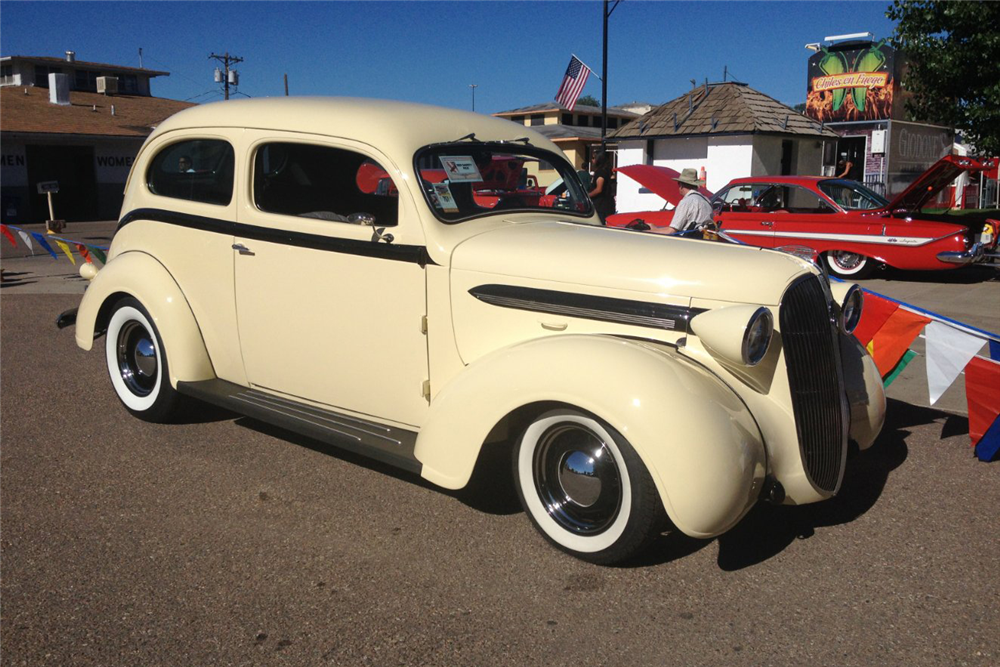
<point x="721" y="108"/>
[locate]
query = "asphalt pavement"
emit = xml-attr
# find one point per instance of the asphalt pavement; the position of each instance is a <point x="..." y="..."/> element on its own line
<point x="226" y="541"/>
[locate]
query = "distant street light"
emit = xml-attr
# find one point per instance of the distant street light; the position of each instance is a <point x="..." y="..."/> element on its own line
<point x="473" y="86"/>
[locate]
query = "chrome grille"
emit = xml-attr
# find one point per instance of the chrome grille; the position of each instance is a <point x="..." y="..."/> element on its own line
<point x="813" y="362"/>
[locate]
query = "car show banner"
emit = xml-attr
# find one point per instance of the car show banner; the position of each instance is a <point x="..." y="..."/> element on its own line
<point x="852" y="82"/>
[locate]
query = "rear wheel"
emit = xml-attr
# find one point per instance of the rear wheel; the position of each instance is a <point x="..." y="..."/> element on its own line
<point x="137" y="363"/>
<point x="850" y="265"/>
<point x="585" y="488"/>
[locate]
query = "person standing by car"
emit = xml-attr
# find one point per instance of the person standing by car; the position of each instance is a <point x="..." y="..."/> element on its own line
<point x="603" y="192"/>
<point x="694" y="209"/>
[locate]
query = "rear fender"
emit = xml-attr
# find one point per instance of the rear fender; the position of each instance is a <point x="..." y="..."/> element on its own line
<point x="139" y="275"/>
<point x="697" y="439"/>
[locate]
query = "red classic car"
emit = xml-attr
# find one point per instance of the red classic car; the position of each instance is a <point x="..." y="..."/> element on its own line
<point x="852" y="228"/>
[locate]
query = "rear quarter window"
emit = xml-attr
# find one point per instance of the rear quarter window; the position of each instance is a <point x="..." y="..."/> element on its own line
<point x="198" y="170"/>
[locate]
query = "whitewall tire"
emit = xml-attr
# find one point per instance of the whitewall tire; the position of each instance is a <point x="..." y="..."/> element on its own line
<point x="844" y="264"/>
<point x="137" y="363"/>
<point x="584" y="487"/>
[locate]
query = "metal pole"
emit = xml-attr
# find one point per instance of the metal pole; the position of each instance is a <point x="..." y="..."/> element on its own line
<point x="286" y="85"/>
<point x="604" y="84"/>
<point x="473" y="86"/>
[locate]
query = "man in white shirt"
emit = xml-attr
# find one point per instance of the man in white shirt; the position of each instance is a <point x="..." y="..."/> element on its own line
<point x="694" y="208"/>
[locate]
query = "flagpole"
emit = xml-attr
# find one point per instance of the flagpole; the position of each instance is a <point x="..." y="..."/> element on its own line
<point x="604" y="84"/>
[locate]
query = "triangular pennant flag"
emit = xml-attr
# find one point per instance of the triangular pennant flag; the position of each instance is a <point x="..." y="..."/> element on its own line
<point x="871" y="348"/>
<point x="65" y="248"/>
<point x="894" y="338"/>
<point x="949" y="350"/>
<point x="982" y="390"/>
<point x="99" y="254"/>
<point x="989" y="444"/>
<point x="45" y="244"/>
<point x="10" y="237"/>
<point x="27" y="240"/>
<point x="82" y="249"/>
<point x="907" y="358"/>
<point x="994" y="350"/>
<point x="874" y="314"/>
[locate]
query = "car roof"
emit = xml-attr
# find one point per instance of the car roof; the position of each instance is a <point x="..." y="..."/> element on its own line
<point x="396" y="128"/>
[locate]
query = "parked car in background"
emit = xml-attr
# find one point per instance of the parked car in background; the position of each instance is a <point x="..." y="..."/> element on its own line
<point x="363" y="273"/>
<point x="853" y="229"/>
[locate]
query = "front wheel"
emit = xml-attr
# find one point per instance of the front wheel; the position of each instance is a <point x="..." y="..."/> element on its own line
<point x="849" y="265"/>
<point x="585" y="488"/>
<point x="137" y="363"/>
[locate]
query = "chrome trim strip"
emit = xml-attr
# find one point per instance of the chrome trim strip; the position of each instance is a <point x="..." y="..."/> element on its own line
<point x="586" y="306"/>
<point x="906" y="241"/>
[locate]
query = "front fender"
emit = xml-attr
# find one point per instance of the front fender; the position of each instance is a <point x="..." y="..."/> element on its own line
<point x="865" y="391"/>
<point x="141" y="276"/>
<point x="699" y="442"/>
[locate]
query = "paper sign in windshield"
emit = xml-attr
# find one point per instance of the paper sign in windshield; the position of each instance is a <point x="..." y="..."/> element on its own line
<point x="460" y="168"/>
<point x="443" y="198"/>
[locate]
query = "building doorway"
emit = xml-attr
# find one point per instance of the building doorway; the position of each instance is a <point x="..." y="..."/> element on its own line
<point x="853" y="149"/>
<point x="73" y="168"/>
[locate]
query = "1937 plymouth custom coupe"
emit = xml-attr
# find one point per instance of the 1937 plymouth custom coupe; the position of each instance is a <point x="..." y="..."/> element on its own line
<point x="414" y="320"/>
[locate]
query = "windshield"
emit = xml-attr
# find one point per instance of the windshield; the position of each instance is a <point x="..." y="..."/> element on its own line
<point x="852" y="196"/>
<point x="466" y="180"/>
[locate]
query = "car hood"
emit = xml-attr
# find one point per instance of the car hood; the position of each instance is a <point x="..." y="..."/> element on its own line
<point x="660" y="180"/>
<point x="622" y="260"/>
<point x="939" y="176"/>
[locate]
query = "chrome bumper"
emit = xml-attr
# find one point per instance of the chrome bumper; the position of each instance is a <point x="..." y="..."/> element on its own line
<point x="976" y="253"/>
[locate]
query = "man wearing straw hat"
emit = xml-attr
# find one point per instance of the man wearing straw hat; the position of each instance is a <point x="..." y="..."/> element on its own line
<point x="694" y="208"/>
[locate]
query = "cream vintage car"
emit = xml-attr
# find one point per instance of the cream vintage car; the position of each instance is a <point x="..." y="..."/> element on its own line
<point x="372" y="274"/>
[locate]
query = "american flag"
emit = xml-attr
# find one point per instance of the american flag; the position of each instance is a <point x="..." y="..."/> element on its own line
<point x="572" y="83"/>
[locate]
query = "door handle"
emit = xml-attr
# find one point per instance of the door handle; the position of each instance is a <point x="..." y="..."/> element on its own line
<point x="242" y="249"/>
<point x="767" y="223"/>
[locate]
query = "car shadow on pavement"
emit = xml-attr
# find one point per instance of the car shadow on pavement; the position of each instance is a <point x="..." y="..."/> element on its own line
<point x="966" y="275"/>
<point x="767" y="529"/>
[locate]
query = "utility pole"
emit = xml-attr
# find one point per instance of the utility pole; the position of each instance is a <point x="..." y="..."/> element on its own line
<point x="473" y="86"/>
<point x="226" y="61"/>
<point x="604" y="77"/>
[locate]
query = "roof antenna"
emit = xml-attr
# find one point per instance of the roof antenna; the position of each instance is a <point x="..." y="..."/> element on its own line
<point x="725" y="73"/>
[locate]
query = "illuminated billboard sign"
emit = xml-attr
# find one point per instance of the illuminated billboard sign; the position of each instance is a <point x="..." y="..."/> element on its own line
<point x="851" y="82"/>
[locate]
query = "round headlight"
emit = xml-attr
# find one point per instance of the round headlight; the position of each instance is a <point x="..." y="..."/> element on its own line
<point x="757" y="336"/>
<point x="850" y="311"/>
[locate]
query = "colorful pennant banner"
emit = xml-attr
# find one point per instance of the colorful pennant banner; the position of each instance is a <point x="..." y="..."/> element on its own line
<point x="888" y="328"/>
<point x="86" y="251"/>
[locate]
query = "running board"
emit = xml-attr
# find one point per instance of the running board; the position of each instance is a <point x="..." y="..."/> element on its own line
<point x="377" y="441"/>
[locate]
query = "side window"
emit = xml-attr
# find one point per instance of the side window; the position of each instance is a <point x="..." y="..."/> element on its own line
<point x="738" y="198"/>
<point x="801" y="200"/>
<point x="196" y="170"/>
<point x="312" y="181"/>
<point x="774" y="198"/>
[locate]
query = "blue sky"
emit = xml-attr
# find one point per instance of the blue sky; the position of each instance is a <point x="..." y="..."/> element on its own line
<point x="516" y="52"/>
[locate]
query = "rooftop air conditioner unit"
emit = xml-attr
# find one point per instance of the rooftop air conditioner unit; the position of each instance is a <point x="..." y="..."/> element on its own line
<point x="107" y="85"/>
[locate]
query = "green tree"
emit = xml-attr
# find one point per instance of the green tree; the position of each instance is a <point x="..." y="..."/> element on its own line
<point x="589" y="100"/>
<point x="954" y="75"/>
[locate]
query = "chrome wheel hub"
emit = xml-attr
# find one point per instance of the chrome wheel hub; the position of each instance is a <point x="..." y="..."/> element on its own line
<point x="577" y="479"/>
<point x="137" y="362"/>
<point x="847" y="261"/>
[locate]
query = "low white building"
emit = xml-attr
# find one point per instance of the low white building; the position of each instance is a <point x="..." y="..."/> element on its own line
<point x="728" y="129"/>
